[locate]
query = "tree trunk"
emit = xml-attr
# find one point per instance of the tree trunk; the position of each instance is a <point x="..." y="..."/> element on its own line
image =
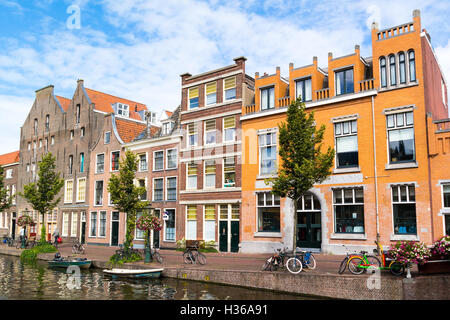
<point x="294" y="236"/>
<point x="43" y="230"/>
<point x="131" y="224"/>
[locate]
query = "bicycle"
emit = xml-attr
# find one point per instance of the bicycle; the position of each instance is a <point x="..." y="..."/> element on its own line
<point x="395" y="267"/>
<point x="155" y="253"/>
<point x="123" y="253"/>
<point x="77" y="247"/>
<point x="307" y="259"/>
<point x="192" y="255"/>
<point x="344" y="262"/>
<point x="31" y="243"/>
<point x="357" y="264"/>
<point x="276" y="260"/>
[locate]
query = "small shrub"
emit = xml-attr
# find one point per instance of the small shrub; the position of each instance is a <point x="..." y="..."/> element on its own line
<point x="31" y="254"/>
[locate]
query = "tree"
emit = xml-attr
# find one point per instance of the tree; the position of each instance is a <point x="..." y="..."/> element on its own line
<point x="125" y="195"/>
<point x="42" y="195"/>
<point x="302" y="162"/>
<point x="5" y="196"/>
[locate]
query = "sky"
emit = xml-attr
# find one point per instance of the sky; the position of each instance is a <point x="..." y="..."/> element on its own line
<point x="137" y="49"/>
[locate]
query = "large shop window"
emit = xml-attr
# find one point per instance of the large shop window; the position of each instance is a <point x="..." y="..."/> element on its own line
<point x="348" y="210"/>
<point x="191" y="225"/>
<point x="210" y="222"/>
<point x="170" y="225"/>
<point x="268" y="153"/>
<point x="268" y="212"/>
<point x="346" y="144"/>
<point x="400" y="130"/>
<point x="404" y="207"/>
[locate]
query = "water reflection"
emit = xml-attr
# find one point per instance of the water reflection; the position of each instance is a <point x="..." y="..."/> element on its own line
<point x="35" y="281"/>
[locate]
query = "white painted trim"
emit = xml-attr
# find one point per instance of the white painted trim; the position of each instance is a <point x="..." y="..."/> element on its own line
<point x="154" y="161"/>
<point x="226" y="155"/>
<point x="153" y="142"/>
<point x="153" y="189"/>
<point x="167" y="158"/>
<point x="175" y="223"/>
<point x="213" y="106"/>
<point x="166" y="191"/>
<point x="226" y="75"/>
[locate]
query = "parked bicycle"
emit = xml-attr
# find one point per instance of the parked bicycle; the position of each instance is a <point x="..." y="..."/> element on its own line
<point x="301" y="259"/>
<point x="395" y="267"/>
<point x="344" y="262"/>
<point x="124" y="253"/>
<point x="276" y="261"/>
<point x="154" y="253"/>
<point x="77" y="247"/>
<point x="192" y="255"/>
<point x="358" y="263"/>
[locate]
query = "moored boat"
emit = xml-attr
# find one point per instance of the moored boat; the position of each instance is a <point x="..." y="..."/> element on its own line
<point x="133" y="273"/>
<point x="60" y="262"/>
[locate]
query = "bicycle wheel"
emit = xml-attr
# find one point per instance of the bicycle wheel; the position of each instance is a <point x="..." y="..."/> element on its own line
<point x="201" y="258"/>
<point x="354" y="265"/>
<point x="294" y="265"/>
<point x="396" y="268"/>
<point x="310" y="262"/>
<point x="74" y="249"/>
<point x="81" y="249"/>
<point x="374" y="261"/>
<point x="343" y="265"/>
<point x="158" y="257"/>
<point x="187" y="257"/>
<point x="266" y="266"/>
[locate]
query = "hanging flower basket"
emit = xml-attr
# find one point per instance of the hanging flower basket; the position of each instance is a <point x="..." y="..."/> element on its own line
<point x="149" y="222"/>
<point x="25" y="221"/>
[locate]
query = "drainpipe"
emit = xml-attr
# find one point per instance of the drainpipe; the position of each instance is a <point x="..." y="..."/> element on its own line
<point x="430" y="190"/>
<point x="375" y="171"/>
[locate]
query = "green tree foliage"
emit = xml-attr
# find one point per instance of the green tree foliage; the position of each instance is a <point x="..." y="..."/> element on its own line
<point x="302" y="162"/>
<point x="126" y="195"/>
<point x="43" y="194"/>
<point x="5" y="197"/>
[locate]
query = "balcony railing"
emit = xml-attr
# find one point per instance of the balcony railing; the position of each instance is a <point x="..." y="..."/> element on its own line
<point x="284" y="102"/>
<point x="442" y="125"/>
<point x="366" y="84"/>
<point x="322" y="94"/>
<point x="395" y="31"/>
<point x="249" y="109"/>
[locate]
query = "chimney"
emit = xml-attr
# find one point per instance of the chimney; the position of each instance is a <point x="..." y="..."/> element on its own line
<point x="256" y="75"/>
<point x="184" y="76"/>
<point x="291" y="66"/>
<point x="80" y="82"/>
<point x="330" y="56"/>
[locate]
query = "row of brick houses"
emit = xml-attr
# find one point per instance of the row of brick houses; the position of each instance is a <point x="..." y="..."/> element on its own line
<point x="204" y="164"/>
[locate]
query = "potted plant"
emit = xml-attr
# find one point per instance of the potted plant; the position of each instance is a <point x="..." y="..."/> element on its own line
<point x="409" y="252"/>
<point x="439" y="261"/>
<point x="146" y="223"/>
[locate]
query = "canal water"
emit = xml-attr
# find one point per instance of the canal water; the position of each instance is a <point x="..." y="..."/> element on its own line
<point x="20" y="280"/>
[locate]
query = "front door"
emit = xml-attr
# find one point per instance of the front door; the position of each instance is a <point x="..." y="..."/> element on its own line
<point x="223" y="236"/>
<point x="83" y="232"/>
<point x="13" y="229"/>
<point x="308" y="230"/>
<point x="115" y="233"/>
<point x="234" y="236"/>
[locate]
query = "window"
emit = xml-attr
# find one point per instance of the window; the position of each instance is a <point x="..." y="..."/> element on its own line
<point x="53" y="140"/>
<point x="172" y="160"/>
<point x="446" y="195"/>
<point x="28" y="167"/>
<point x="143" y="184"/>
<point x="83" y="131"/>
<point x="68" y="194"/>
<point x="107" y="137"/>
<point x="72" y="133"/>
<point x="210" y="223"/>
<point x="400" y="128"/>
<point x="192" y="176"/>
<point x="46" y="144"/>
<point x="267" y="98"/>
<point x="81" y="190"/>
<point x="348" y="210"/>
<point x="65" y="226"/>
<point x="29" y="145"/>
<point x="100" y="163"/>
<point x="230" y="88"/>
<point x="402" y="67"/>
<point x="193" y="135"/>
<point x="229" y="125"/>
<point x="47" y="122"/>
<point x="102" y="229"/>
<point x="268" y="153"/>
<point x="34" y="145"/>
<point x="140" y="234"/>
<point x="70" y="164"/>
<point x="229" y="172"/>
<point x="268" y="212"/>
<point x="346" y="144"/>
<point x="93" y="224"/>
<point x="73" y="228"/>
<point x="13" y="194"/>
<point x="35" y="127"/>
<point x="171" y="192"/>
<point x="191" y="226"/>
<point x="9" y="173"/>
<point x="210" y="174"/>
<point x="158" y="189"/>
<point x="404" y="208"/>
<point x="169" y="224"/>
<point x="210" y="131"/>
<point x="40" y="143"/>
<point x="167" y="127"/>
<point x="211" y="90"/>
<point x="78" y="113"/>
<point x="159" y="160"/>
<point x="193" y="98"/>
<point x="123" y="110"/>
<point x="81" y="162"/>
<point x="412" y="66"/>
<point x="344" y="81"/>
<point x="392" y="70"/>
<point x="115" y="160"/>
<point x="98" y="193"/>
<point x="303" y="89"/>
<point x="383" y="72"/>
<point x="143" y="162"/>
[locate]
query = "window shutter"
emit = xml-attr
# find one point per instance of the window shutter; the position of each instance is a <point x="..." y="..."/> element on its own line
<point x="192" y="213"/>
<point x="210" y="167"/>
<point x="230" y="83"/>
<point x="229" y="122"/>
<point x="210" y="212"/>
<point x="210" y="125"/>
<point x="193" y="93"/>
<point x="211" y="88"/>
<point x="192" y="129"/>
<point x="192" y="169"/>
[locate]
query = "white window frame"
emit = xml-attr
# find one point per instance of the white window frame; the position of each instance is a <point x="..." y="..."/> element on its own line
<point x="188" y="142"/>
<point x="9" y="173"/>
<point x="111" y="161"/>
<point x="303" y="79"/>
<point x="187" y="177"/>
<point x="90" y="235"/>
<point x="166" y="190"/>
<point x="235" y="88"/>
<point x="265" y="192"/>
<point x="167" y="159"/>
<point x="394" y="128"/>
<point x="186" y="221"/>
<point x="407" y="185"/>
<point x="204" y="174"/>
<point x="206" y="131"/>
<point x="234" y="132"/>
<point x="267" y="88"/>
<point x="265" y="132"/>
<point x="65" y="227"/>
<point x="343" y="135"/>
<point x="206" y="96"/>
<point x="83" y="198"/>
<point x="146" y="161"/>
<point x="153" y="190"/>
<point x="66" y="194"/>
<point x="165" y="225"/>
<point x="223" y="172"/>
<point x="95" y="193"/>
<point x="189" y="100"/>
<point x="104" y="138"/>
<point x="74" y="219"/>
<point x="136" y="230"/>
<point x="444" y="208"/>
<point x="154" y="160"/>
<point x="99" y="223"/>
<point x="216" y="208"/>
<point x="96" y="162"/>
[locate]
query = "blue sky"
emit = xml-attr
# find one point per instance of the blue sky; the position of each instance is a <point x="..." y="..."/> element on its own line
<point x="137" y="49"/>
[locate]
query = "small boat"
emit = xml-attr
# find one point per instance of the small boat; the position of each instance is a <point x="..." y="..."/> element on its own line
<point x="133" y="273"/>
<point x="63" y="263"/>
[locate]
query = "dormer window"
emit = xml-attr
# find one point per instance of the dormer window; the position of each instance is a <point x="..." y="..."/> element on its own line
<point x="122" y="110"/>
<point x="167" y="127"/>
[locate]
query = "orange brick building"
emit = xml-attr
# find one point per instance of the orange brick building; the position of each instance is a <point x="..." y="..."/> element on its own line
<point x="386" y="117"/>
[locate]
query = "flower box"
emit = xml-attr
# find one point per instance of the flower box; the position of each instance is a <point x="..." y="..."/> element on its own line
<point x="435" y="266"/>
